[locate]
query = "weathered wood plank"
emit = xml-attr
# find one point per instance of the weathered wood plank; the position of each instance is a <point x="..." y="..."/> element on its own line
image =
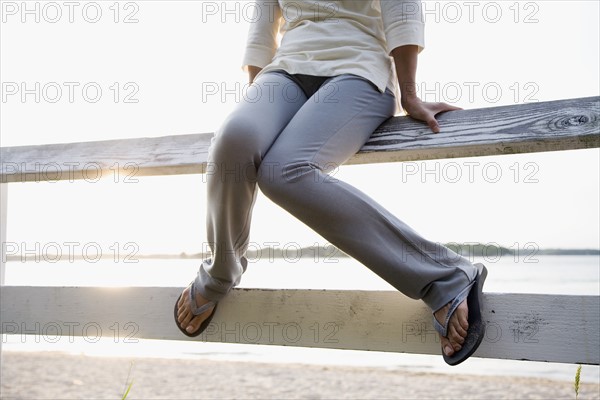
<point x="524" y="128"/>
<point x="534" y="127"/>
<point x="554" y="328"/>
<point x="168" y="155"/>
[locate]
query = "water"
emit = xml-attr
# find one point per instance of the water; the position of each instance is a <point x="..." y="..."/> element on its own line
<point x="536" y="274"/>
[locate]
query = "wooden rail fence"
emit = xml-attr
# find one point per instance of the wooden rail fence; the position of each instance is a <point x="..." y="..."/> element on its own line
<point x="558" y="328"/>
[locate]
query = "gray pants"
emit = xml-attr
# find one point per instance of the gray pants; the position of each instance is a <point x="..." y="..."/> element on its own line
<point x="284" y="138"/>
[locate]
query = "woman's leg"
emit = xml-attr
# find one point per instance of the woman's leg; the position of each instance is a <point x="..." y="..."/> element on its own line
<point x="323" y="134"/>
<point x="235" y="155"/>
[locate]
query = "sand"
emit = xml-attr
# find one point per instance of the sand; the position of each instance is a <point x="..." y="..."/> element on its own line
<point x="52" y="375"/>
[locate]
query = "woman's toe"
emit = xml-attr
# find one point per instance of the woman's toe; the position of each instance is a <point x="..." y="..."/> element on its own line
<point x="446" y="346"/>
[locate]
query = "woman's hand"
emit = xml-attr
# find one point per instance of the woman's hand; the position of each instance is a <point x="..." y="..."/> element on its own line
<point x="252" y="72"/>
<point x="426" y="112"/>
<point x="405" y="60"/>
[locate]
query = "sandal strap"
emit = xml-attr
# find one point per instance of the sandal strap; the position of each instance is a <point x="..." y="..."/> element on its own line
<point x="443" y="329"/>
<point x="192" y="296"/>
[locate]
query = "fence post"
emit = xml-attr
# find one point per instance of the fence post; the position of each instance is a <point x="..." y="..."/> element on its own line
<point x="3" y="215"/>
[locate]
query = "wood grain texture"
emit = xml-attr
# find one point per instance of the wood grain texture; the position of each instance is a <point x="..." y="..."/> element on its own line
<point x="523" y="128"/>
<point x="555" y="328"/>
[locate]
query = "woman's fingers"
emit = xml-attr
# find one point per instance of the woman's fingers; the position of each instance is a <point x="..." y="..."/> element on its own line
<point x="437" y="108"/>
<point x="433" y="125"/>
<point x="426" y="112"/>
<point x="447" y="107"/>
<point x="441" y="107"/>
<point x="427" y="115"/>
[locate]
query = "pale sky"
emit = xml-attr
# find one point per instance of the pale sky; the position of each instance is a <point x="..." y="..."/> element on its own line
<point x="506" y="52"/>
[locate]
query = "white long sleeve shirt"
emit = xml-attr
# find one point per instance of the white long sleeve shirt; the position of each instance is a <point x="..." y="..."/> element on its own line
<point x="330" y="38"/>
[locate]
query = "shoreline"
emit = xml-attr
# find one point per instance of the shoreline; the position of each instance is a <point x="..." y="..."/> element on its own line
<point x="297" y="252"/>
<point x="45" y="375"/>
<point x="271" y="354"/>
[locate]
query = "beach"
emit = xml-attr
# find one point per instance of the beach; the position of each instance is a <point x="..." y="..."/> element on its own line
<point x="55" y="375"/>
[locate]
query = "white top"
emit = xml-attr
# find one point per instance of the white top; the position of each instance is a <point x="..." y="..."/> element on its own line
<point x="329" y="38"/>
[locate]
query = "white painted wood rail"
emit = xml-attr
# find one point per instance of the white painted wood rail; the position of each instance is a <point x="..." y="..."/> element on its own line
<point x="520" y="326"/>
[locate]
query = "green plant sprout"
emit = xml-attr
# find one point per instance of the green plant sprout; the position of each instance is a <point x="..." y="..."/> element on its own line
<point x="128" y="387"/>
<point x="577" y="380"/>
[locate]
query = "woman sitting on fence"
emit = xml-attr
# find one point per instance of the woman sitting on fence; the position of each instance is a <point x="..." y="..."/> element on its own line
<point x="314" y="101"/>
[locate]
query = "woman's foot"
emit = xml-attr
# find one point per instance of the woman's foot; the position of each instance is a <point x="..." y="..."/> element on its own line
<point x="185" y="318"/>
<point x="457" y="327"/>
